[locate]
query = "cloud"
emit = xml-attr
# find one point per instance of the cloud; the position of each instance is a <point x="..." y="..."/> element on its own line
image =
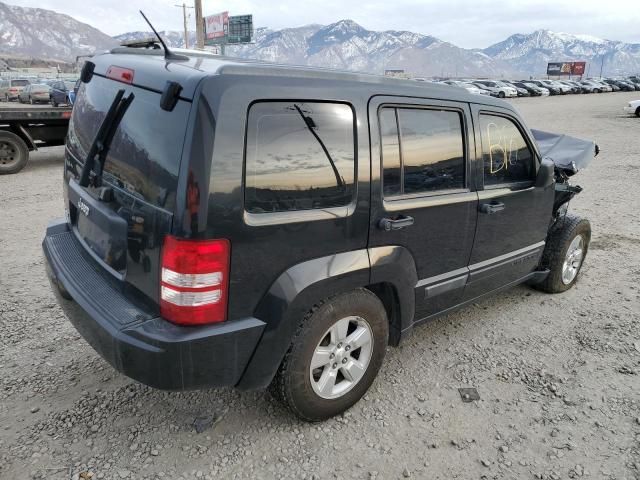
<point x="466" y="23"/>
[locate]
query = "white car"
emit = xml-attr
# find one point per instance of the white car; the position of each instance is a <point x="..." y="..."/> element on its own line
<point x="469" y="87"/>
<point x="633" y="108"/>
<point x="496" y="89"/>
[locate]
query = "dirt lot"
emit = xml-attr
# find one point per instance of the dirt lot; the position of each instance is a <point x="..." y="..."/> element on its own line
<point x="558" y="376"/>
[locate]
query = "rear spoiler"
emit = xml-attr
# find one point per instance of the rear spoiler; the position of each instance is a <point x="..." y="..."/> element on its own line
<point x="569" y="154"/>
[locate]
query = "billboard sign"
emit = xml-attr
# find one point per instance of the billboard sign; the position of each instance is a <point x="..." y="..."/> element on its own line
<point x="240" y="29"/>
<point x="566" y="68"/>
<point x="216" y="26"/>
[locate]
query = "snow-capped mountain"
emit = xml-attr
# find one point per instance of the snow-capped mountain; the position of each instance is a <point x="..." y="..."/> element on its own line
<point x="349" y="46"/>
<point x="530" y="53"/>
<point x="36" y="32"/>
<point x="44" y="34"/>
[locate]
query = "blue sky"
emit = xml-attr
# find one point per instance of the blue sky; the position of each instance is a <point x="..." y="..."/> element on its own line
<point x="466" y="23"/>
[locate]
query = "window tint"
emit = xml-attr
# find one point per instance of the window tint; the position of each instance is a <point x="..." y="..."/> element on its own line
<point x="19" y="83"/>
<point x="299" y="156"/>
<point x="431" y="151"/>
<point x="506" y="156"/>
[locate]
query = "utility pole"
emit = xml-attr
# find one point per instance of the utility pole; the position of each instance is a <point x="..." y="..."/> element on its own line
<point x="199" y="25"/>
<point x="184" y="18"/>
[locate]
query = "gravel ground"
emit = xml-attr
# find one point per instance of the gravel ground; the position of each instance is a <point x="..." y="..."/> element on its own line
<point x="558" y="376"/>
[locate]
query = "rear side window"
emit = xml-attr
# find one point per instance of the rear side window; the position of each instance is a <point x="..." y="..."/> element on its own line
<point x="299" y="156"/>
<point x="505" y="153"/>
<point x="422" y="151"/>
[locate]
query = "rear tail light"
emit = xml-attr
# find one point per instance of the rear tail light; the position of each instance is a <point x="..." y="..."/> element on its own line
<point x="194" y="283"/>
<point x="120" y="74"/>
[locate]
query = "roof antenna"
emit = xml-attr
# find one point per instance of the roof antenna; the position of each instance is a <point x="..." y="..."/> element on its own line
<point x="168" y="54"/>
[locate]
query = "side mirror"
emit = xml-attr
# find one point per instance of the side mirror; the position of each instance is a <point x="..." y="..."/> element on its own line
<point x="546" y="174"/>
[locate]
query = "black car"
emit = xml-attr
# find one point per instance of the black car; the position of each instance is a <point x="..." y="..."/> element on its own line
<point x="553" y="90"/>
<point x="533" y="90"/>
<point x="61" y="92"/>
<point x="232" y="223"/>
<point x="623" y="86"/>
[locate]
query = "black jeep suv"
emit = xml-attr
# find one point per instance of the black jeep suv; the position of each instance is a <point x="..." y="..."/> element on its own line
<point x="246" y="224"/>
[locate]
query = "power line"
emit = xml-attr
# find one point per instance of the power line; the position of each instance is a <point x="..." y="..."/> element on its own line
<point x="184" y="17"/>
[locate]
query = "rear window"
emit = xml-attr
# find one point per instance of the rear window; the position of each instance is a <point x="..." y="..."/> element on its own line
<point x="299" y="156"/>
<point x="19" y="83"/>
<point x="144" y="157"/>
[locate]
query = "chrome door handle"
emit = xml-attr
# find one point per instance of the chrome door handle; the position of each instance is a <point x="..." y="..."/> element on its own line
<point x="491" y="208"/>
<point x="388" y="224"/>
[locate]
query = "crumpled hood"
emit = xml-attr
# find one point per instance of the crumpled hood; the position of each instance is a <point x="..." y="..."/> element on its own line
<point x="570" y="154"/>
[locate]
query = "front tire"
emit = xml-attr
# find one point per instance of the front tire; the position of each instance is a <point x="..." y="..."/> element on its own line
<point x="638" y="112"/>
<point x="564" y="254"/>
<point x="501" y="94"/>
<point x="334" y="356"/>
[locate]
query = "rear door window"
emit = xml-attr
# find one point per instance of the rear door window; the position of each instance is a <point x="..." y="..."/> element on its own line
<point x="506" y="157"/>
<point x="299" y="156"/>
<point x="422" y="151"/>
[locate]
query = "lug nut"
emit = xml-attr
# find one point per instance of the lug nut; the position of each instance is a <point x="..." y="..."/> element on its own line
<point x="332" y="356"/>
<point x="344" y="360"/>
<point x="347" y="348"/>
<point x="339" y="345"/>
<point x="335" y="365"/>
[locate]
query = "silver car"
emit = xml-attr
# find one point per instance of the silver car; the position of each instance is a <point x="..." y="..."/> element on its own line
<point x="35" y="93"/>
<point x="10" y="89"/>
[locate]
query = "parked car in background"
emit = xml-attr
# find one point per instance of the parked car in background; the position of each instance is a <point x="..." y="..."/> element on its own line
<point x="553" y="90"/>
<point x="34" y="93"/>
<point x="469" y="87"/>
<point x="574" y="88"/>
<point x="633" y="108"/>
<point x="496" y="89"/>
<point x="604" y="86"/>
<point x="10" y="89"/>
<point x="591" y="87"/>
<point x="533" y="90"/>
<point x="60" y="91"/>
<point x="522" y="92"/>
<point x="74" y="92"/>
<point x="564" y="89"/>
<point x="622" y="86"/>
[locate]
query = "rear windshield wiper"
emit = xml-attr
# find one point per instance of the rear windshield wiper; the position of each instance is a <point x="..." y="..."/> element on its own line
<point x="100" y="146"/>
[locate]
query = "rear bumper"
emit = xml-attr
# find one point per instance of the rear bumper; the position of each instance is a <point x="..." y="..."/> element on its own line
<point x="135" y="341"/>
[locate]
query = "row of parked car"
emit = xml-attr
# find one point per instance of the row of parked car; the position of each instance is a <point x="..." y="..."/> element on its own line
<point x="536" y="88"/>
<point x="56" y="92"/>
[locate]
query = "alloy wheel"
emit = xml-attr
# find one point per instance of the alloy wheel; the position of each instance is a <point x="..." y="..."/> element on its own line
<point x="573" y="260"/>
<point x="341" y="358"/>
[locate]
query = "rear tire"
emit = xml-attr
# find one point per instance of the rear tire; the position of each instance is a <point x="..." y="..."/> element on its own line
<point x="53" y="102"/>
<point x="345" y="337"/>
<point x="564" y="254"/>
<point x="14" y="153"/>
<point x="638" y="112"/>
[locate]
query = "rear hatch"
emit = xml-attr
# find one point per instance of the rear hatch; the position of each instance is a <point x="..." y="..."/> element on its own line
<point x="122" y="223"/>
